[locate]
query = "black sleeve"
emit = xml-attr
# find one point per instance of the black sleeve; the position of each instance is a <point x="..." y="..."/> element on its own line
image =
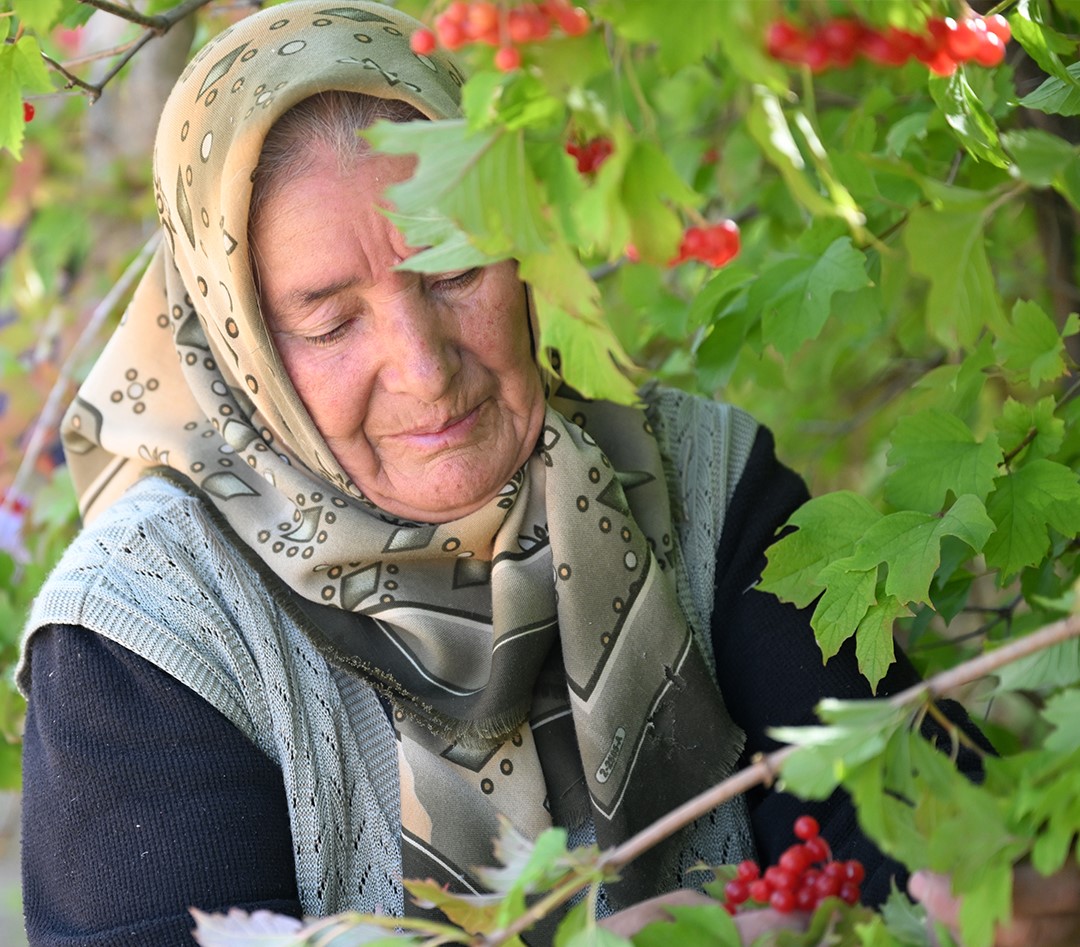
<point x="771" y="673"/>
<point x="140" y="800"/>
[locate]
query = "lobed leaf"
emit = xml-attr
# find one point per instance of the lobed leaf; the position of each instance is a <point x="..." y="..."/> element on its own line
<point x="1025" y="504"/>
<point x="935" y="453"/>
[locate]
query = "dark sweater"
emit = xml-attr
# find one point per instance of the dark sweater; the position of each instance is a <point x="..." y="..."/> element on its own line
<point x="141" y="800"/>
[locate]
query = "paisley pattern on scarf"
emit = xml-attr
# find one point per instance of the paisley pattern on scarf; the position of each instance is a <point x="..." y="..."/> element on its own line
<point x="547" y="675"/>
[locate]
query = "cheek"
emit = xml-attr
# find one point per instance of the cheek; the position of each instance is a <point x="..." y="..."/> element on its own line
<point x="331" y="387"/>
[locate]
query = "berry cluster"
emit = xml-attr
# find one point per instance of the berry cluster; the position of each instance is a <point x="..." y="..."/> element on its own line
<point x="483" y="21"/>
<point x="591" y="154"/>
<point x="804" y="876"/>
<point x="839" y="41"/>
<point x="715" y="245"/>
<point x="28" y="112"/>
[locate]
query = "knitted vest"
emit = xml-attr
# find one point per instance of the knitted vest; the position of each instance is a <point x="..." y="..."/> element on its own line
<point x="159" y="574"/>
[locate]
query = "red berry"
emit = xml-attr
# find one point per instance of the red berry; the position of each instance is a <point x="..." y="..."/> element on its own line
<point x="961" y="40"/>
<point x="782" y="901"/>
<point x="817" y="54"/>
<point x="941" y="63"/>
<point x="507" y="59"/>
<point x="760" y="891"/>
<point x="806" y="827"/>
<point x="422" y="42"/>
<point x="519" y="26"/>
<point x="458" y="11"/>
<point x="450" y="31"/>
<point x="794" y="860"/>
<point x="778" y="879"/>
<point x="827" y="886"/>
<point x="28" y="111"/>
<point x="999" y="26"/>
<point x="573" y="20"/>
<point x="785" y="41"/>
<point x="841" y="35"/>
<point x="806" y="898"/>
<point x="736" y="891"/>
<point x="991" y="50"/>
<point x="817" y="848"/>
<point x="854" y="871"/>
<point x="849" y="892"/>
<point x="748" y="871"/>
<point x="882" y="49"/>
<point x="483" y="18"/>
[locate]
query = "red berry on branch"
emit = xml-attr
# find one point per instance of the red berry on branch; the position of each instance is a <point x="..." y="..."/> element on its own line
<point x="737" y="891"/>
<point x="849" y="892"/>
<point x="423" y="42"/>
<point x="807" y="827"/>
<point x="748" y="871"/>
<point x="785" y="41"/>
<point x="817" y="848"/>
<point x="841" y="36"/>
<point x="782" y="901"/>
<point x="961" y="39"/>
<point x="28" y="111"/>
<point x="999" y="26"/>
<point x="991" y="50"/>
<point x="760" y="891"/>
<point x="507" y="59"/>
<point x="450" y="31"/>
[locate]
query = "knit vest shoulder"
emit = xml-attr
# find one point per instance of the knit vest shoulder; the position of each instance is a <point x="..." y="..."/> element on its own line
<point x="159" y="574"/>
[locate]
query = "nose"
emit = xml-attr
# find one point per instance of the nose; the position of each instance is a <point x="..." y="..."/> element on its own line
<point x="421" y="350"/>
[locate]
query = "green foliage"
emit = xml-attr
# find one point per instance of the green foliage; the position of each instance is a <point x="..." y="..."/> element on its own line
<point x="901" y="314"/>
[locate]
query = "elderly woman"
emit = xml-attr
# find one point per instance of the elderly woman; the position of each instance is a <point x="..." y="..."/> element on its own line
<point x="356" y="578"/>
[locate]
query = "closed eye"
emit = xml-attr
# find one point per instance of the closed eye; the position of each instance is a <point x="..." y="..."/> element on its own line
<point x="328" y="338"/>
<point x="458" y="280"/>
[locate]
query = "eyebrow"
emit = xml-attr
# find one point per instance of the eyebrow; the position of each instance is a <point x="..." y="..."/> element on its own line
<point x="299" y="299"/>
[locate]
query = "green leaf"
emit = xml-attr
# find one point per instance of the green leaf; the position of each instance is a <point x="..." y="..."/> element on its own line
<point x="1030" y="346"/>
<point x="1024" y="504"/>
<point x="1061" y="712"/>
<point x="1040" y="42"/>
<point x="910" y="543"/>
<point x="934" y="452"/>
<point x="963" y="297"/>
<point x="649" y="187"/>
<point x="1039" y="157"/>
<point x="38" y="15"/>
<point x="874" y="646"/>
<point x="1056" y="96"/>
<point x="968" y="118"/>
<point x="795" y="297"/>
<point x="683" y="31"/>
<point x="1034" y="424"/>
<point x="480" y="180"/>
<point x="589" y="352"/>
<point x="849" y="593"/>
<point x="1045" y="670"/>
<point x="829" y="526"/>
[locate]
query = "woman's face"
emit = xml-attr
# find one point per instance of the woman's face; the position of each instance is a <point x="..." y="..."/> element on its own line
<point x="423" y="386"/>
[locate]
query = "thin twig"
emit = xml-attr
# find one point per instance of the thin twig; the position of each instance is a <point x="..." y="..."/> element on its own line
<point x="126" y="13"/>
<point x="49" y="418"/>
<point x="72" y="79"/>
<point x="99" y="55"/>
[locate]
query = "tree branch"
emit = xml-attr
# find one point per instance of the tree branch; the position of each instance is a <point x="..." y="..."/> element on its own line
<point x="153" y="26"/>
<point x="764" y="769"/>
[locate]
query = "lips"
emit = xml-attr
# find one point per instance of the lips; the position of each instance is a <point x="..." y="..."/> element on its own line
<point x="441" y="436"/>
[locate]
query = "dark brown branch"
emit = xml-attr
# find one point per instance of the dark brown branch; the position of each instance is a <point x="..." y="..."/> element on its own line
<point x="159" y="24"/>
<point x="153" y="26"/>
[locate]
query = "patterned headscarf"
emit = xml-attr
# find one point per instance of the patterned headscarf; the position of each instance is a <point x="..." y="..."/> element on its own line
<point x="552" y="680"/>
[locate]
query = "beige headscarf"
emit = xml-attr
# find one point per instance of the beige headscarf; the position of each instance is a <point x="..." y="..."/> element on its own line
<point x="555" y="680"/>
